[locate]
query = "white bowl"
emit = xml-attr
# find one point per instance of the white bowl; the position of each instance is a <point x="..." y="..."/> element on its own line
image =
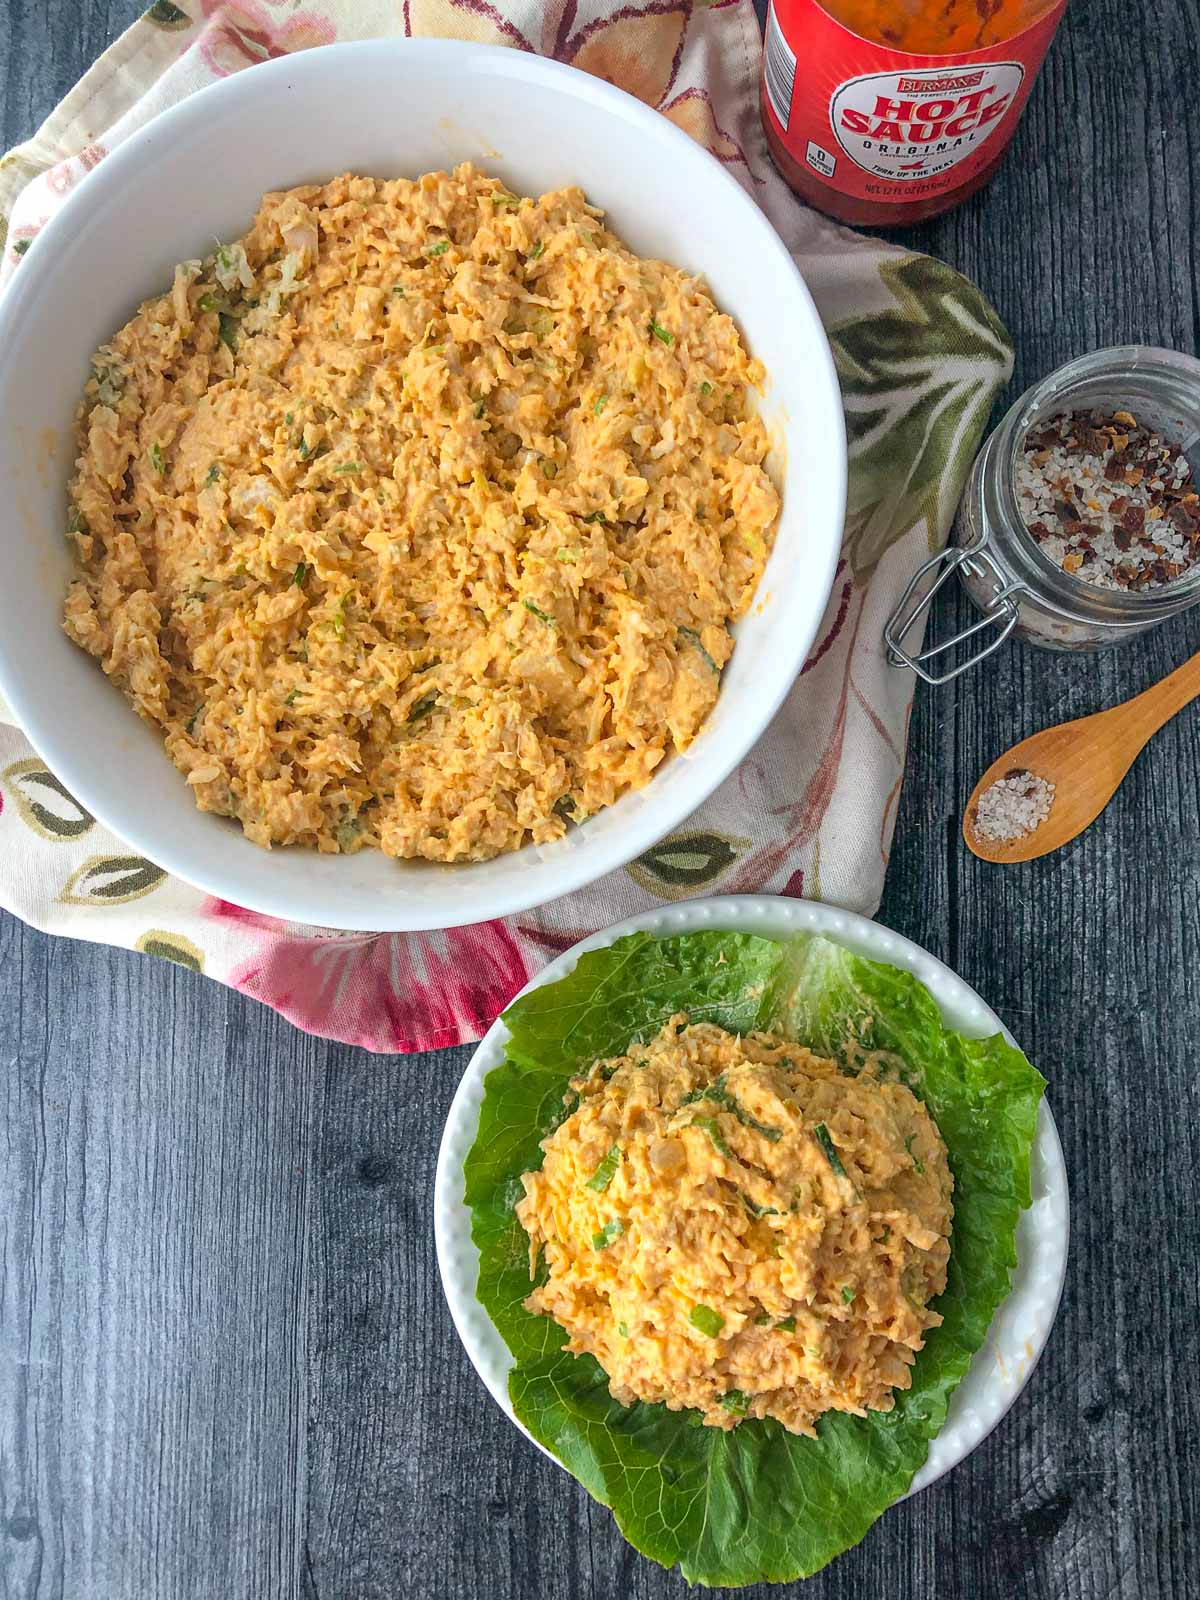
<point x="1021" y="1325"/>
<point x="387" y="108"/>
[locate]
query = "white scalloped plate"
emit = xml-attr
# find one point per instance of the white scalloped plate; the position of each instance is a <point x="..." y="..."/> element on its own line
<point x="1020" y="1327"/>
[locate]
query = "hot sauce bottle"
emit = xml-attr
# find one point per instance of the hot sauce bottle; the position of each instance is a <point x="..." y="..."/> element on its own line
<point x="886" y="112"/>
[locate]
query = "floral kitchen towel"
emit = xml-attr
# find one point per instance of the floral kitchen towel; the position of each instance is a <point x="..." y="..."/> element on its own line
<point x="810" y="812"/>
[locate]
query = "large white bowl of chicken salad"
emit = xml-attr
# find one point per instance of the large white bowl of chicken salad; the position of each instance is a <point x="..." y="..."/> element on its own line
<point x="451" y="467"/>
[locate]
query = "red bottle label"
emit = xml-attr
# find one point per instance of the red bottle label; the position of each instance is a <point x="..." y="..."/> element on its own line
<point x="886" y="126"/>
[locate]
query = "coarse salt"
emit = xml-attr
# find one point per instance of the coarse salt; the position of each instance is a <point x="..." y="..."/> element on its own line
<point x="1013" y="806"/>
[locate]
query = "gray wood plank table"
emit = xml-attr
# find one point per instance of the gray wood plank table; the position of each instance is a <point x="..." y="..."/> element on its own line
<point x="226" y="1368"/>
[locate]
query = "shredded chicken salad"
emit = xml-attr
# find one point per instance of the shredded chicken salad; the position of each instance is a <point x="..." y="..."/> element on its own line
<point x="734" y="1226"/>
<point x="417" y="518"/>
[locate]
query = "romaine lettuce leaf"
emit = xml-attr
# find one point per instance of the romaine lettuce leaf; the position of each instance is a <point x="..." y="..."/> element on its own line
<point x="755" y="1503"/>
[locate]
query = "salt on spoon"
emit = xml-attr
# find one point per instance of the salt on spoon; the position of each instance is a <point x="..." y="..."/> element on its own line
<point x="1013" y="806"/>
<point x="1050" y="787"/>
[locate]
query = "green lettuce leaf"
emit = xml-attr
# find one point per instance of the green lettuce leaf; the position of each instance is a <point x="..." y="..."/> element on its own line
<point x="755" y="1503"/>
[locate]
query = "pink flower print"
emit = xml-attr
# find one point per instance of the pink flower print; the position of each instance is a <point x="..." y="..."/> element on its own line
<point x="389" y="992"/>
<point x="242" y="33"/>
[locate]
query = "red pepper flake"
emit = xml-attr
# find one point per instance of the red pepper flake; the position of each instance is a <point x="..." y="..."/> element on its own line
<point x="1092" y="487"/>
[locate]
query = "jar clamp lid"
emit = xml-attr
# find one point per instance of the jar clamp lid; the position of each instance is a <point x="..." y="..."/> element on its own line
<point x="1001" y="615"/>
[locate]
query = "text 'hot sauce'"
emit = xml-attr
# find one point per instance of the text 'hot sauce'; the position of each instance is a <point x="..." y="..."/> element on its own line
<point x="888" y="111"/>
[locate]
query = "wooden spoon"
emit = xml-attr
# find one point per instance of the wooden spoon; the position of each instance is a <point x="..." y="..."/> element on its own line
<point x="1085" y="760"/>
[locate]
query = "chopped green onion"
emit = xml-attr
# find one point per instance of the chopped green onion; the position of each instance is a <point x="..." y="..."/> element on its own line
<point x="761" y="1320"/>
<point x="288" y="419"/>
<point x="339" y="616"/>
<point x="550" y="469"/>
<point x="291" y="697"/>
<point x="605" y="1172"/>
<point x="918" y="1164"/>
<point x="505" y="201"/>
<point x="211" y="476"/>
<point x="735" y="1402"/>
<point x="595" y="516"/>
<point x="704" y="1092"/>
<point x="156" y="458"/>
<point x="348" y="832"/>
<point x="711" y="1128"/>
<point x="537" y="250"/>
<point x="109" y="384"/>
<point x="757" y="1211"/>
<point x="206" y="303"/>
<point x="21" y="246"/>
<point x="564" y="807"/>
<point x="829" y="1149"/>
<point x="788" y="1325"/>
<point x="708" y="1321"/>
<point x="706" y="388"/>
<point x="398" y="290"/>
<point x="479" y="409"/>
<point x="610" y="1232"/>
<point x="74" y="521"/>
<point x="569" y="556"/>
<point x="720" y="1095"/>
<point x="228" y="327"/>
<point x="542" y="616"/>
<point x="623" y="1330"/>
<point x="195" y="717"/>
<point x="422" y="708"/>
<point x="438" y="249"/>
<point x="301" y="573"/>
<point x="600" y="405"/>
<point x="659" y="332"/>
<point x="847" y="1293"/>
<point x="694" y="639"/>
<point x="349" y="466"/>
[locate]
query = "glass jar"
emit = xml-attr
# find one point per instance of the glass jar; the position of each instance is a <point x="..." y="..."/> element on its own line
<point x="1017" y="587"/>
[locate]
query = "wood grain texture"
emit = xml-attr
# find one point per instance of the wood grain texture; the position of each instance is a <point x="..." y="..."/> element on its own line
<point x="153" y="1258"/>
<point x="226" y="1367"/>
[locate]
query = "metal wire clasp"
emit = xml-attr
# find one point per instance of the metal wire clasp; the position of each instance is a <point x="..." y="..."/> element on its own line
<point x="1001" y="613"/>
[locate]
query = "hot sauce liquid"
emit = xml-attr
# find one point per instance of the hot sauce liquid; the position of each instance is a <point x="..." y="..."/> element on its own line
<point x="947" y="27"/>
<point x="885" y="112"/>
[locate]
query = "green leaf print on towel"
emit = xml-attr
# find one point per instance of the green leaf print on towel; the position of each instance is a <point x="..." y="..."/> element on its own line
<point x="917" y="381"/>
<point x="171" y="947"/>
<point x="43" y="804"/>
<point x="164" y="15"/>
<point x="111" y="881"/>
<point x="679" y="864"/>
